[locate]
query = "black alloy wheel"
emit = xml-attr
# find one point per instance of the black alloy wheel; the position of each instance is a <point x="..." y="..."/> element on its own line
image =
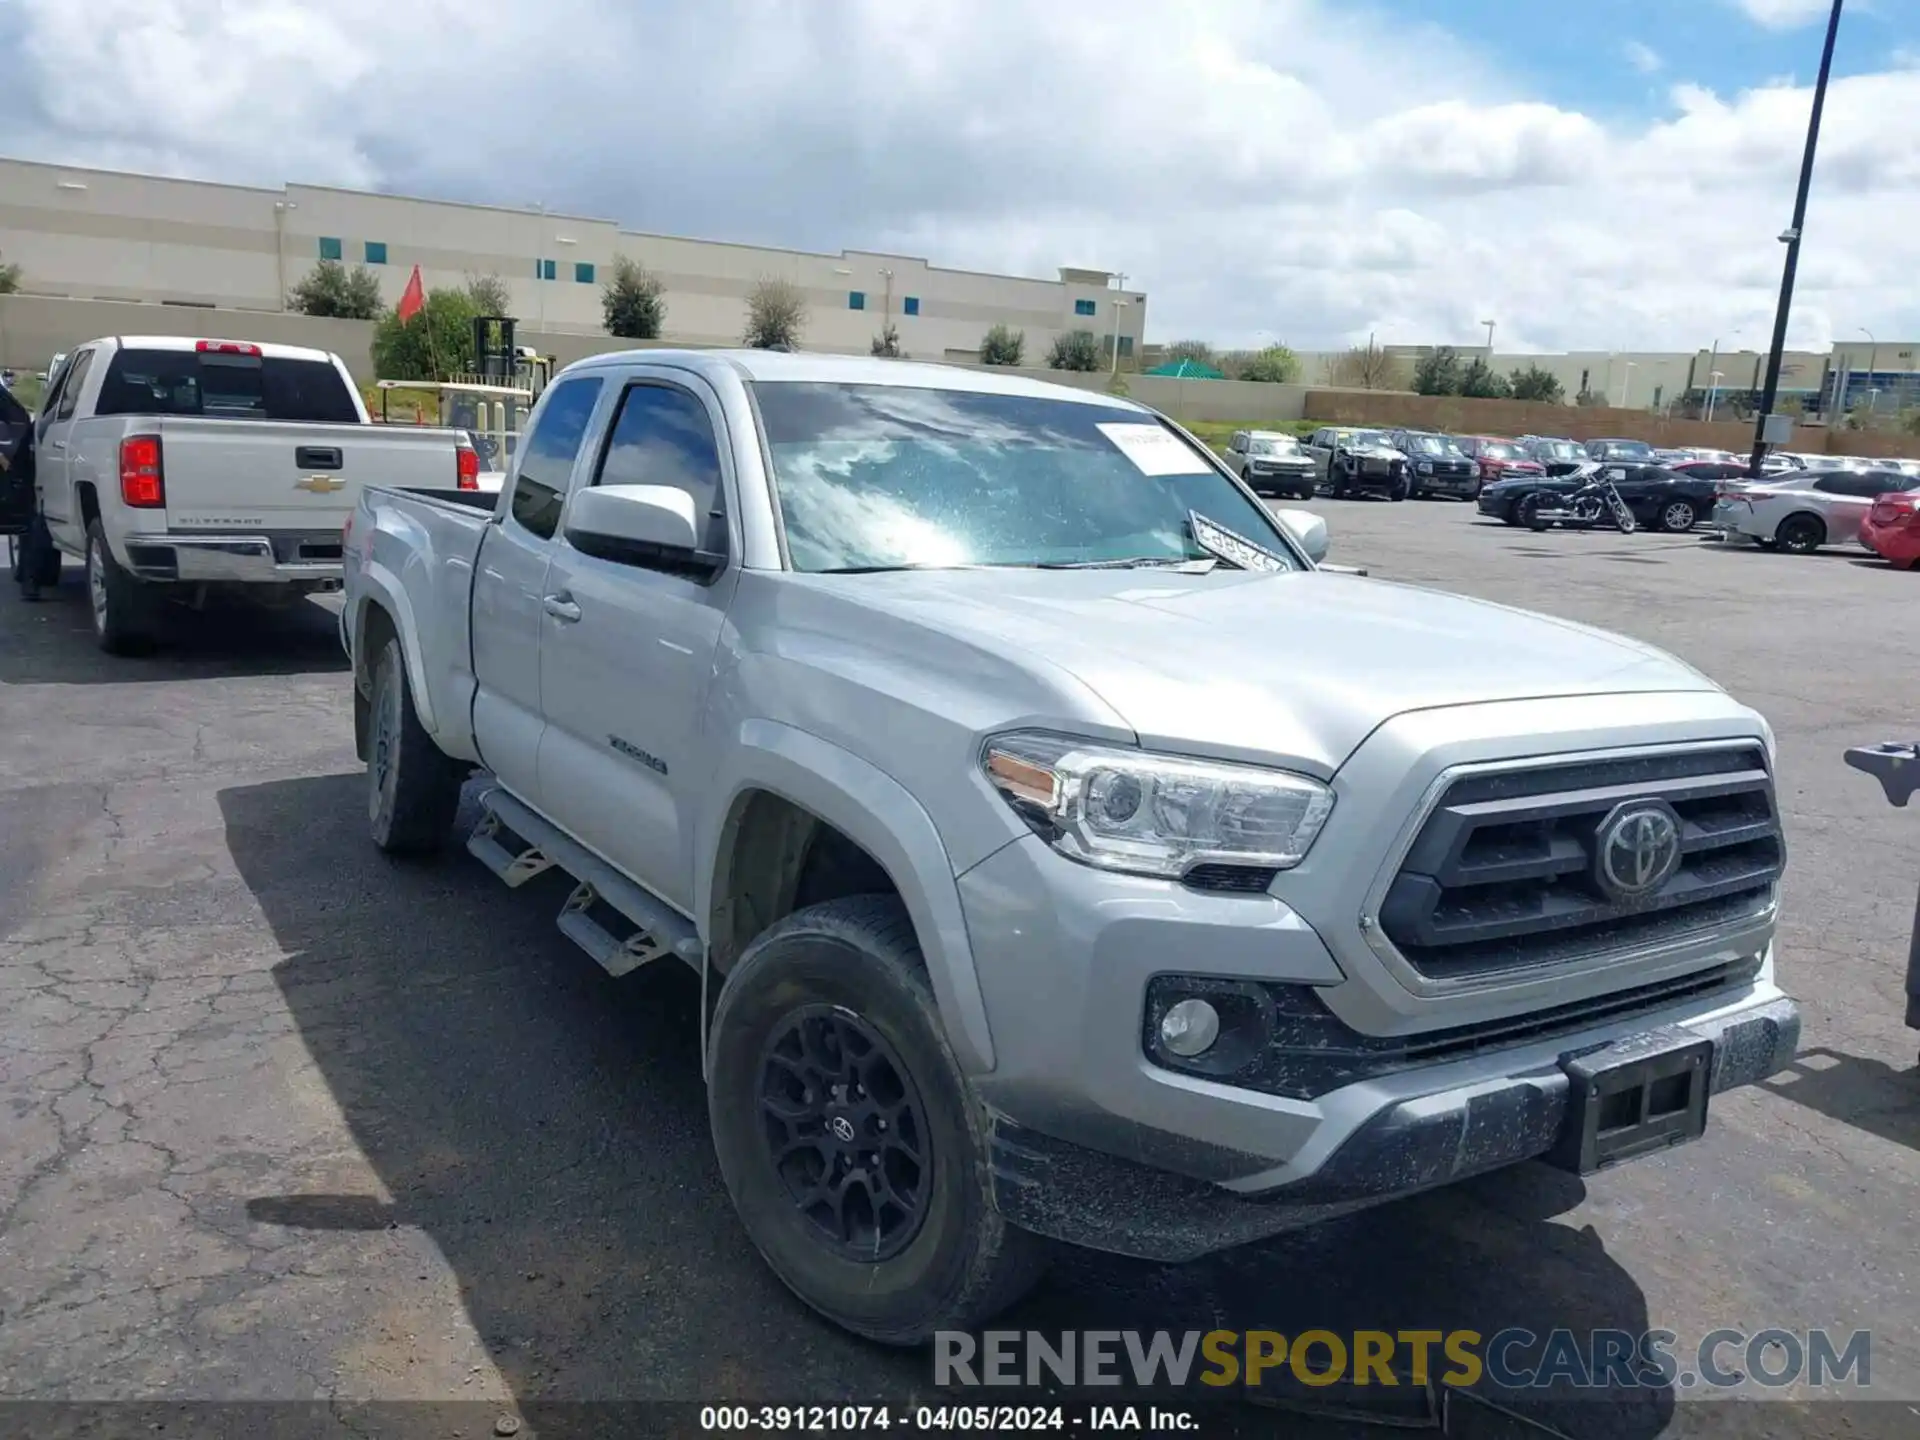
<point x="844" y="1132"/>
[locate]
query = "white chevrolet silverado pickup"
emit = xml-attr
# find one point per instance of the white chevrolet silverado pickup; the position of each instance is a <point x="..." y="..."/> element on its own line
<point x="174" y="465"/>
<point x="1064" y="853"/>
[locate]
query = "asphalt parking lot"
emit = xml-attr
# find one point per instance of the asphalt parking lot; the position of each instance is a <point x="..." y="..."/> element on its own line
<point x="286" y="1121"/>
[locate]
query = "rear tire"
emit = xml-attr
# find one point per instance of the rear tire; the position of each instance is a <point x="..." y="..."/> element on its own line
<point x="1528" y="512"/>
<point x="1800" y="534"/>
<point x="413" y="787"/>
<point x="828" y="1020"/>
<point x="122" y="609"/>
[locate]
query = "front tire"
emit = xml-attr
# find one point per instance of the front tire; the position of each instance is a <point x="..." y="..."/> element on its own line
<point x="413" y="788"/>
<point x="853" y="1148"/>
<point x="122" y="610"/>
<point x="1400" y="489"/>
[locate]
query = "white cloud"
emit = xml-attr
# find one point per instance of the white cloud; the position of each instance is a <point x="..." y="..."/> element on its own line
<point x="1785" y="14"/>
<point x="1283" y="166"/>
<point x="1642" y="57"/>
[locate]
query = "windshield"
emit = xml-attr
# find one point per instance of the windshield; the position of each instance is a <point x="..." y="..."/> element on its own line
<point x="1431" y="445"/>
<point x="1501" y="452"/>
<point x="1561" y="450"/>
<point x="1626" y="449"/>
<point x="1278" y="446"/>
<point x="1373" y="437"/>
<point x="893" y="477"/>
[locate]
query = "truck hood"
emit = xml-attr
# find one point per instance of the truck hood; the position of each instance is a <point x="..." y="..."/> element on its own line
<point x="1296" y="667"/>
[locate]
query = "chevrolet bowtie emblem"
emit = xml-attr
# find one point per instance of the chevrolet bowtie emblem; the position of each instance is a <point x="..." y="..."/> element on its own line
<point x="320" y="484"/>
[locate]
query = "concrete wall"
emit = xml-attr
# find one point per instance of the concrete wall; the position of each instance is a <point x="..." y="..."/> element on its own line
<point x="94" y="234"/>
<point x="34" y="327"/>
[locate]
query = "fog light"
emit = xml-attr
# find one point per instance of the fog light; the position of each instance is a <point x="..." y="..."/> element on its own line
<point x="1190" y="1028"/>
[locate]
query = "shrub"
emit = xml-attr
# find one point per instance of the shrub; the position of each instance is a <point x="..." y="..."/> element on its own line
<point x="1075" y="350"/>
<point x="632" y="303"/>
<point x="1275" y="365"/>
<point x="776" y="315"/>
<point x="332" y="290"/>
<point x="1003" y="346"/>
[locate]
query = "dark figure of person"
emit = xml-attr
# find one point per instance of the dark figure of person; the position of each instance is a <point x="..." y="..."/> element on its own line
<point x="37" y="553"/>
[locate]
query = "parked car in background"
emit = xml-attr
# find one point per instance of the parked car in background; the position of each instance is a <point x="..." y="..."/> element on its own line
<point x="1352" y="462"/>
<point x="1555" y="456"/>
<point x="1802" y="512"/>
<point x="1892" y="529"/>
<point x="1438" y="466"/>
<point x="1499" y="459"/>
<point x="175" y="468"/>
<point x="1624" y="452"/>
<point x="1271" y="463"/>
<point x="1660" y="499"/>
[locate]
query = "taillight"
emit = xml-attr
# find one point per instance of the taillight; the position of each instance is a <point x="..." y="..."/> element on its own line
<point x="142" y="485"/>
<point x="466" y="462"/>
<point x="226" y="347"/>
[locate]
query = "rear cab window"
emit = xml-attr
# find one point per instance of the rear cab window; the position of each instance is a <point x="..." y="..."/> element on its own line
<point x="226" y="386"/>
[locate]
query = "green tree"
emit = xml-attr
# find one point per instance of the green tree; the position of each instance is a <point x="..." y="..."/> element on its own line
<point x="776" y="315"/>
<point x="435" y="344"/>
<point x="488" y="295"/>
<point x="1003" y="345"/>
<point x="1275" y="365"/>
<point x="332" y="290"/>
<point x="1912" y="423"/>
<point x="1530" y="382"/>
<point x="632" y="302"/>
<point x="887" y="342"/>
<point x="1197" y="351"/>
<point x="1480" y="381"/>
<point x="9" y="277"/>
<point x="1438" y="372"/>
<point x="1075" y="350"/>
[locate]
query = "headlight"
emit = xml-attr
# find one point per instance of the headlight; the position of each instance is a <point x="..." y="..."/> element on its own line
<point x="1426" y="467"/>
<point x="1160" y="815"/>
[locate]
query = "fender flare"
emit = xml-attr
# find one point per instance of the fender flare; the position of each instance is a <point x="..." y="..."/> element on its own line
<point x="378" y="584"/>
<point x="876" y="812"/>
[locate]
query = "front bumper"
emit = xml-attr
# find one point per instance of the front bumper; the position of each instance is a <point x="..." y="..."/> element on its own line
<point x="1067" y="1191"/>
<point x="1292" y="478"/>
<point x="307" y="559"/>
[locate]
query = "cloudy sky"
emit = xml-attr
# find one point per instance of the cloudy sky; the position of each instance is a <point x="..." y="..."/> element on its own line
<point x="1607" y="174"/>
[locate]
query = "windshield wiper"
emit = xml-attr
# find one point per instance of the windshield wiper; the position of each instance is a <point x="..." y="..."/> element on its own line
<point x="884" y="569"/>
<point x="1198" y="566"/>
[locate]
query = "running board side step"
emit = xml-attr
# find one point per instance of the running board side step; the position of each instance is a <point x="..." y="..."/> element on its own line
<point x="616" y="922"/>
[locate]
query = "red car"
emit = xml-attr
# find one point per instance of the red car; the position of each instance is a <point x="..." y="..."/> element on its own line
<point x="1892" y="529"/>
<point x="1499" y="459"/>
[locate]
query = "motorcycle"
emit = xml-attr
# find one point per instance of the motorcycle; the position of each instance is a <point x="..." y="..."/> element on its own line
<point x="1596" y="501"/>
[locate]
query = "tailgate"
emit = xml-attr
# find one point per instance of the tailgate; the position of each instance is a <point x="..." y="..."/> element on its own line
<point x="263" y="475"/>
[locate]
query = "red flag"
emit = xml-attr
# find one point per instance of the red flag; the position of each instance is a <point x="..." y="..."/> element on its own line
<point x="411" y="298"/>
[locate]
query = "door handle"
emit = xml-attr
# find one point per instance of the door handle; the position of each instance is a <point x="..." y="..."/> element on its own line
<point x="561" y="607"/>
<point x="56" y="444"/>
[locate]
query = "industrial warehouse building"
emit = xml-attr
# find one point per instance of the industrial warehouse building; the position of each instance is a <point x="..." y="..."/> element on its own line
<point x="108" y="235"/>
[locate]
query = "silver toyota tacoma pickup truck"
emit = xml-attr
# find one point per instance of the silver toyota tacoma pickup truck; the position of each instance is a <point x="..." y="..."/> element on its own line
<point x="1063" y="853"/>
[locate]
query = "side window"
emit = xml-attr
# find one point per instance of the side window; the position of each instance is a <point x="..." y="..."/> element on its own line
<point x="1239" y="442"/>
<point x="663" y="436"/>
<point x="50" y="402"/>
<point x="76" y="377"/>
<point x="547" y="455"/>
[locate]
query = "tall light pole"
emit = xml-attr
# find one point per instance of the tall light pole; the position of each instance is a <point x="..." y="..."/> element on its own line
<point x="1119" y="302"/>
<point x="1713" y="389"/>
<point x="1873" y="364"/>
<point x="1489" y="325"/>
<point x="1791" y="237"/>
<point x="1626" y="383"/>
<point x="887" y="313"/>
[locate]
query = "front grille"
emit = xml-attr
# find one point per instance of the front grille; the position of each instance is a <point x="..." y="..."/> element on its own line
<point x="1504" y="873"/>
<point x="1283" y="1040"/>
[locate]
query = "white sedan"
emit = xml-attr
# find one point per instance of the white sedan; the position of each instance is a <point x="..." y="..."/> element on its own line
<point x="1801" y="512"/>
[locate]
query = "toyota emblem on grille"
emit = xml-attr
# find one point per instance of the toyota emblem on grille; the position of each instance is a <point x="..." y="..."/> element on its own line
<point x="1637" y="849"/>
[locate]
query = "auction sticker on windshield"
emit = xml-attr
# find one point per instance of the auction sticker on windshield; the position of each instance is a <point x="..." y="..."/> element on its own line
<point x="1155" y="450"/>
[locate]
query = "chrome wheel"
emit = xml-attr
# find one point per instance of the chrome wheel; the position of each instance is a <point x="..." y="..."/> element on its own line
<point x="1678" y="516"/>
<point x="97" y="585"/>
<point x="384" y="750"/>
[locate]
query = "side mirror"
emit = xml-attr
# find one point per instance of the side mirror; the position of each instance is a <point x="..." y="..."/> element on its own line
<point x="1309" y="531"/>
<point x="653" y="526"/>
